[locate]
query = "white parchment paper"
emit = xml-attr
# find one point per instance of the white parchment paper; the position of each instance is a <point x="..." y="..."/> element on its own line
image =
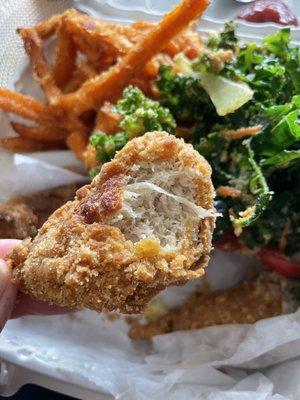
<point x="20" y="174"/>
<point x="242" y="362"/>
<point x="254" y="362"/>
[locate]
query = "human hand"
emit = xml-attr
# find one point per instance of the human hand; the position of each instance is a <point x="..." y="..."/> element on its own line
<point x="12" y="303"/>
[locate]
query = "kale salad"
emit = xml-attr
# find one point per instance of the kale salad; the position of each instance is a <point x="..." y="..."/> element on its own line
<point x="239" y="105"/>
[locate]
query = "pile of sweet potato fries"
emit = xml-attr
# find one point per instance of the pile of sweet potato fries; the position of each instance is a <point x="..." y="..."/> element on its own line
<point x="93" y="62"/>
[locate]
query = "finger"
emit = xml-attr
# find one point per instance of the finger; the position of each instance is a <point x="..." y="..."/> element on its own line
<point x="7" y="302"/>
<point x="25" y="305"/>
<point x="5" y="275"/>
<point x="8" y="295"/>
<point x="6" y="245"/>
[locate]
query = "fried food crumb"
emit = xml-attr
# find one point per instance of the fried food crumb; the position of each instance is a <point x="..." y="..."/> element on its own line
<point x="112" y="317"/>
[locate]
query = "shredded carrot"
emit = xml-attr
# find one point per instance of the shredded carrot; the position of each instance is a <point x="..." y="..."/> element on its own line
<point x="243" y="132"/>
<point x="228" y="191"/>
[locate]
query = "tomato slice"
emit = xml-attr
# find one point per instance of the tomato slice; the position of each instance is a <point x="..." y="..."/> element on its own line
<point x="275" y="260"/>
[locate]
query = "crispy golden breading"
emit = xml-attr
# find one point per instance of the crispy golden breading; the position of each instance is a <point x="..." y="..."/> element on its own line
<point x="245" y="303"/>
<point x="97" y="251"/>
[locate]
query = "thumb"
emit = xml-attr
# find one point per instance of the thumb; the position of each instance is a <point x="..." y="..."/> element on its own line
<point x="6" y="245"/>
<point x="8" y="293"/>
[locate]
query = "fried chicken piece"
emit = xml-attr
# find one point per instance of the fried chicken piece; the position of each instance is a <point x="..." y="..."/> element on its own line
<point x="244" y="303"/>
<point x="43" y="204"/>
<point x="17" y="221"/>
<point x="145" y="222"/>
<point x="23" y="215"/>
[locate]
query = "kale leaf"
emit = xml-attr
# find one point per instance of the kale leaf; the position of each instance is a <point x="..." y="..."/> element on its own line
<point x="265" y="167"/>
<point x="184" y="97"/>
<point x="107" y="145"/>
<point x="140" y="115"/>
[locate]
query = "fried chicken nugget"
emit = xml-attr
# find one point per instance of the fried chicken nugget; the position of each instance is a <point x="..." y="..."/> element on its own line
<point x="17" y="221"/>
<point x="245" y="303"/>
<point x="145" y="222"/>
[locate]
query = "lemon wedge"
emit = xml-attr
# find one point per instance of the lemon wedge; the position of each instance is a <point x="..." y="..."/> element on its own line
<point x="226" y="95"/>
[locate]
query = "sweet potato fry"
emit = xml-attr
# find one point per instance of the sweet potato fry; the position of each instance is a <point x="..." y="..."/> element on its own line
<point x="83" y="41"/>
<point x="76" y="80"/>
<point x="19" y="144"/>
<point x="89" y="157"/>
<point x="92" y="54"/>
<point x="95" y="91"/>
<point x="33" y="47"/>
<point x="93" y="37"/>
<point x="77" y="142"/>
<point x="40" y="132"/>
<point x="70" y="123"/>
<point x="96" y="35"/>
<point x="83" y="72"/>
<point x="87" y="70"/>
<point x="104" y="63"/>
<point x="73" y="86"/>
<point x="46" y="29"/>
<point x="25" y="106"/>
<point x="65" y="57"/>
<point x="150" y="71"/>
<point x="188" y="41"/>
<point x="106" y="120"/>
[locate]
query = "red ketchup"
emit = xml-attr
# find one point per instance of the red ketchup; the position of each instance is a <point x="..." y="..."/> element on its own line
<point x="269" y="11"/>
